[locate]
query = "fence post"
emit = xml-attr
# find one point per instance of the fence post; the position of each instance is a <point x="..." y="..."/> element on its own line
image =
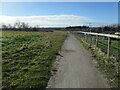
<point x="90" y="40"/>
<point x="85" y="37"/>
<point x="109" y="44"/>
<point x="96" y="44"/>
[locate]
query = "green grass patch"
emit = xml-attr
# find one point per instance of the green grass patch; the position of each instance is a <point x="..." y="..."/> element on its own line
<point x="27" y="58"/>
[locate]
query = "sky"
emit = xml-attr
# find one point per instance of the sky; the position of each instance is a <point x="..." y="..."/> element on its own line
<point x="60" y="0"/>
<point x="60" y="14"/>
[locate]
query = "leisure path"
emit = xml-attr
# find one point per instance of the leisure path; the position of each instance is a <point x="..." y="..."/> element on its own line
<point x="76" y="68"/>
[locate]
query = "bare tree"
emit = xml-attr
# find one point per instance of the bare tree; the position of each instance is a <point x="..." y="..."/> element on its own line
<point x="21" y="25"/>
<point x="17" y="25"/>
<point x="4" y="27"/>
<point x="24" y="25"/>
<point x="10" y="26"/>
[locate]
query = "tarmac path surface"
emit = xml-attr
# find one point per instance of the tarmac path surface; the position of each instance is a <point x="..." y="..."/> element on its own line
<point x="76" y="68"/>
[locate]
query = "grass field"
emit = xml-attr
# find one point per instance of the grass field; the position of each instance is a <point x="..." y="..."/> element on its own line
<point x="27" y="58"/>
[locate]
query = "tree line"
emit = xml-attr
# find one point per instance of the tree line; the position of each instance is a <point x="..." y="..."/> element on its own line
<point x="103" y="29"/>
<point x="76" y="27"/>
<point x="22" y="26"/>
<point x="19" y="26"/>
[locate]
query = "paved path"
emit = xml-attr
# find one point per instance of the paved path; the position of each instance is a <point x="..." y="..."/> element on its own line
<point x="76" y="69"/>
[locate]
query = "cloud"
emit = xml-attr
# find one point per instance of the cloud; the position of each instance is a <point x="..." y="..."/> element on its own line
<point x="48" y="21"/>
<point x="53" y="20"/>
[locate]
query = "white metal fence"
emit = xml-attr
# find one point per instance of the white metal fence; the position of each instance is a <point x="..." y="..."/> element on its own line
<point x="93" y="39"/>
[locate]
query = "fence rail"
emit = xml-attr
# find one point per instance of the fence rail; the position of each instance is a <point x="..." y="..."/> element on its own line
<point x="89" y="37"/>
<point x="100" y="34"/>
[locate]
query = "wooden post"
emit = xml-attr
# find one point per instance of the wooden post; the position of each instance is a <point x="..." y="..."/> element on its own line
<point x="109" y="44"/>
<point x="85" y="37"/>
<point x="96" y="44"/>
<point x="90" y="40"/>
